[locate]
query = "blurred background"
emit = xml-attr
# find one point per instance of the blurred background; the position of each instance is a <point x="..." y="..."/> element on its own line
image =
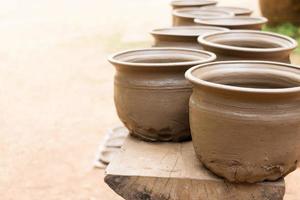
<point x="57" y="89"/>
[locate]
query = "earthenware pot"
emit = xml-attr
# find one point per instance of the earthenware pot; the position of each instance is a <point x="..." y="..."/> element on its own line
<point x="186" y="16"/>
<point x="236" y="10"/>
<point x="236" y="22"/>
<point x="281" y="11"/>
<point x="191" y="3"/>
<point x="245" y="118"/>
<point x="248" y="45"/>
<point x="181" y="36"/>
<point x="151" y="93"/>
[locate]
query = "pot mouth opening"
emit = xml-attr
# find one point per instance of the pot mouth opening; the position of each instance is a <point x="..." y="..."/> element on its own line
<point x="162" y="57"/>
<point x="248" y="41"/>
<point x="235" y="10"/>
<point x="200" y="13"/>
<point x="193" y="2"/>
<point x="186" y="31"/>
<point x="232" y="21"/>
<point x="247" y="76"/>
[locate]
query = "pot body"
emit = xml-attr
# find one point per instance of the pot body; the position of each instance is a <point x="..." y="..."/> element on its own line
<point x="189" y="42"/>
<point x="245" y="136"/>
<point x="281" y="11"/>
<point x="244" y="140"/>
<point x="227" y="55"/>
<point x="153" y="105"/>
<point x="186" y="16"/>
<point x="183" y="21"/>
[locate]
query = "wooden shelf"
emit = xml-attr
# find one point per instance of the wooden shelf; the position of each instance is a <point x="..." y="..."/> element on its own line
<point x="171" y="171"/>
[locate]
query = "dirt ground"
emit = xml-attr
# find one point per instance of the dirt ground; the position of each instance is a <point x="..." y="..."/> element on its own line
<point x="56" y="91"/>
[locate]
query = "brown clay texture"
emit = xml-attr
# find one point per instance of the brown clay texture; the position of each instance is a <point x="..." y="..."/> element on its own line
<point x="186" y="16"/>
<point x="245" y="118"/>
<point x="236" y="22"/>
<point x="182" y="36"/>
<point x="236" y="10"/>
<point x="191" y="3"/>
<point x="151" y="94"/>
<point x="281" y="11"/>
<point x="248" y="45"/>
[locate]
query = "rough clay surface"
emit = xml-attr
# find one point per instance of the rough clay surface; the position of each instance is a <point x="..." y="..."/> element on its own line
<point x="245" y="137"/>
<point x="234" y="171"/>
<point x="56" y="92"/>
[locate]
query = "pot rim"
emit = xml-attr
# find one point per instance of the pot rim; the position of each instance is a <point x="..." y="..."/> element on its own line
<point x="193" y="2"/>
<point x="238" y="10"/>
<point x="211" y="57"/>
<point x="181" y="12"/>
<point x="189" y="76"/>
<point x="293" y="44"/>
<point x="160" y="31"/>
<point x="210" y="21"/>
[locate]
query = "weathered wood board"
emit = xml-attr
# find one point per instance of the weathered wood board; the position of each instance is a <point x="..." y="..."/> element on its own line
<point x="171" y="171"/>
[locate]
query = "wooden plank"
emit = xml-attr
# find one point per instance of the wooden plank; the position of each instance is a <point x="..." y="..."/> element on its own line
<point x="162" y="171"/>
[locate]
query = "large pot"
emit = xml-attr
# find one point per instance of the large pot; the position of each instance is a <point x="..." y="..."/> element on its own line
<point x="181" y="36"/>
<point x="192" y="3"/>
<point x="236" y="22"/>
<point x="151" y="94"/>
<point x="186" y="16"/>
<point x="245" y="118"/>
<point x="248" y="45"/>
<point x="236" y="10"/>
<point x="281" y="11"/>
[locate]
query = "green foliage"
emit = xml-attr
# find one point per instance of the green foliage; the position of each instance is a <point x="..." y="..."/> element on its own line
<point x="287" y="29"/>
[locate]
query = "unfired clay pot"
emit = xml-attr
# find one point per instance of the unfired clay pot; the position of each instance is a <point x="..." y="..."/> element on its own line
<point x="236" y="22"/>
<point x="281" y="11"/>
<point x="151" y="93"/>
<point x="181" y="36"/>
<point x="186" y="16"/>
<point x="191" y="3"/>
<point x="248" y="45"/>
<point x="245" y="118"/>
<point x="236" y="10"/>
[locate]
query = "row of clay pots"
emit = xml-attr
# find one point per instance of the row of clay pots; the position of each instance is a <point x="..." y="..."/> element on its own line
<point x="141" y="69"/>
<point x="244" y="115"/>
<point x="236" y="107"/>
<point x="192" y="13"/>
<point x="182" y="36"/>
<point x="228" y="45"/>
<point x="188" y="4"/>
<point x="216" y="17"/>
<point x="186" y="16"/>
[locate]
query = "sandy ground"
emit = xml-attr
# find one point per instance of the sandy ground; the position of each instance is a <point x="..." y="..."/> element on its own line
<point x="56" y="91"/>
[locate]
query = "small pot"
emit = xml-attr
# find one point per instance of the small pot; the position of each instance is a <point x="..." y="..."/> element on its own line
<point x="248" y="45"/>
<point x="236" y="10"/>
<point x="181" y="36"/>
<point x="237" y="22"/>
<point x="191" y="3"/>
<point x="151" y="94"/>
<point x="245" y="118"/>
<point x="186" y="16"/>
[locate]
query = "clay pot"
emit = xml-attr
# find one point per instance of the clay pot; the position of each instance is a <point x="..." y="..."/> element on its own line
<point x="191" y="3"/>
<point x="245" y="118"/>
<point x="181" y="36"/>
<point x="248" y="45"/>
<point x="281" y="11"/>
<point x="186" y="16"/>
<point x="237" y="22"/>
<point x="236" y="10"/>
<point x="151" y="93"/>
